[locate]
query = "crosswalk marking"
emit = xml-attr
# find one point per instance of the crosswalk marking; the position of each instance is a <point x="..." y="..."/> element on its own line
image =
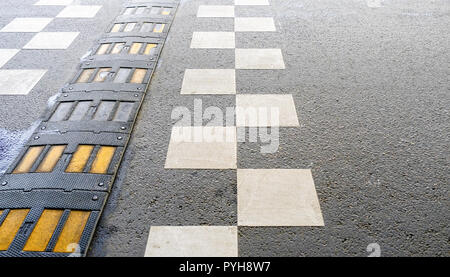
<point x="51" y="40"/>
<point x="209" y="81"/>
<point x="192" y="241"/>
<point x="27" y="24"/>
<point x="79" y="11"/>
<point x="215" y="11"/>
<point x="213" y="40"/>
<point x="259" y="59"/>
<point x="265" y="110"/>
<point x="6" y="55"/>
<point x="21" y="81"/>
<point x="277" y="197"/>
<point x="254" y="24"/>
<point x="202" y="147"/>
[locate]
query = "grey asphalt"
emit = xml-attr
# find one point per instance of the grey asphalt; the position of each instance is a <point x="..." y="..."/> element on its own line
<point x="372" y="91"/>
<point x="371" y="88"/>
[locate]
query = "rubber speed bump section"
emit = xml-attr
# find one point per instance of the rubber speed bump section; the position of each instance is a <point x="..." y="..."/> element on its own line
<point x="65" y="164"/>
<point x="139" y="27"/>
<point x="52" y="195"/>
<point x="10" y="226"/>
<point x="114" y="75"/>
<point x="127" y="48"/>
<point x="100" y="112"/>
<point x="48" y="223"/>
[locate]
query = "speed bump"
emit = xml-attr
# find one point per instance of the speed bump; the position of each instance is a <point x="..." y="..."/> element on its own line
<point x="53" y="193"/>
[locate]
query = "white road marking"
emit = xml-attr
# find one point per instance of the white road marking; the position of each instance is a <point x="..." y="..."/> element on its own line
<point x="19" y="82"/>
<point x="202" y="148"/>
<point x="79" y="11"/>
<point x="251" y="2"/>
<point x="209" y="81"/>
<point x="6" y="55"/>
<point x="192" y="241"/>
<point x="215" y="11"/>
<point x="27" y="24"/>
<point x="374" y="3"/>
<point x="277" y="197"/>
<point x="254" y="24"/>
<point x="51" y="40"/>
<point x="53" y="2"/>
<point x="213" y="40"/>
<point x="285" y="112"/>
<point x="259" y="59"/>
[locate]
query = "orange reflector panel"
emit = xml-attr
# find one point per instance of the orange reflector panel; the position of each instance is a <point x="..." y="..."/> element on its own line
<point x="79" y="159"/>
<point x="159" y="28"/>
<point x="103" y="48"/>
<point x="43" y="231"/>
<point x="51" y="158"/>
<point x="72" y="231"/>
<point x="116" y="28"/>
<point x="11" y="226"/>
<point x="103" y="159"/>
<point x="148" y="48"/>
<point x="138" y="76"/>
<point x="28" y="160"/>
<point x="117" y="48"/>
<point x="85" y="75"/>
<point x="102" y="74"/>
<point x="135" y="47"/>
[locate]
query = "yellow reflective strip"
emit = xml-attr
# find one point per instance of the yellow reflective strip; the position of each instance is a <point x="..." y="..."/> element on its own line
<point x="80" y="158"/>
<point x="138" y="75"/>
<point x="85" y="75"/>
<point x="117" y="48"/>
<point x="135" y="47"/>
<point x="28" y="159"/>
<point x="103" y="48"/>
<point x="165" y="12"/>
<point x="103" y="159"/>
<point x="43" y="231"/>
<point x="159" y="28"/>
<point x="51" y="159"/>
<point x="101" y="74"/>
<point x="148" y="48"/>
<point x="116" y="27"/>
<point x="72" y="231"/>
<point x="11" y="226"/>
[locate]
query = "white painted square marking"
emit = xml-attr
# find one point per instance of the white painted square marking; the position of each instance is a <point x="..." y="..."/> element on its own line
<point x="202" y="147"/>
<point x="51" y="40"/>
<point x="215" y="11"/>
<point x="53" y="2"/>
<point x="19" y="82"/>
<point x="27" y="24"/>
<point x="192" y="241"/>
<point x="79" y="11"/>
<point x="213" y="40"/>
<point x="254" y="24"/>
<point x="277" y="197"/>
<point x="251" y="2"/>
<point x="209" y="81"/>
<point x="259" y="59"/>
<point x="265" y="110"/>
<point x="6" y="55"/>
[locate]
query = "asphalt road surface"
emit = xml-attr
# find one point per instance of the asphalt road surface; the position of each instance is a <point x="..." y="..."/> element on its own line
<point x="370" y="84"/>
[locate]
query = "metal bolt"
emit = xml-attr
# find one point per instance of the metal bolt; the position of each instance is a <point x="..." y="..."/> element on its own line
<point x="119" y="138"/>
<point x="36" y="137"/>
<point x="136" y="95"/>
<point x="123" y="128"/>
<point x="100" y="184"/>
<point x="139" y="88"/>
<point x="95" y="198"/>
<point x="4" y="183"/>
<point x="43" y="128"/>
